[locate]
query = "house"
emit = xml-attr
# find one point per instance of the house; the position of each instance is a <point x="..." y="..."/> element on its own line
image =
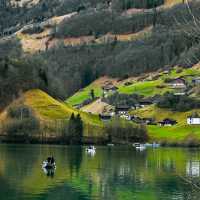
<point x="177" y="83"/>
<point x="122" y="110"/>
<point x="126" y="116"/>
<point x="145" y="102"/>
<point x="168" y="122"/>
<point x="147" y="121"/>
<point x="193" y="120"/>
<point x="196" y="81"/>
<point x="109" y="88"/>
<point x="105" y="117"/>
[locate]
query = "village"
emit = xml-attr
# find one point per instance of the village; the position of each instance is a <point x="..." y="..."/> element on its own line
<point x="180" y="86"/>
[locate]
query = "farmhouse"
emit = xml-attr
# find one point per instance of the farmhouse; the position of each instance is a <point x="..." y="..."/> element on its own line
<point x="193" y="120"/>
<point x="122" y="110"/>
<point x="168" y="122"/>
<point x="145" y="102"/>
<point x="105" y="117"/>
<point x="196" y="81"/>
<point x="177" y="83"/>
<point x="109" y="88"/>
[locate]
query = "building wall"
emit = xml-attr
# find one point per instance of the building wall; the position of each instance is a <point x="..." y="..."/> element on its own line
<point x="193" y="121"/>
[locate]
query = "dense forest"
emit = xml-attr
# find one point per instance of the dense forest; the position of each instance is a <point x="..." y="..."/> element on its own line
<point x="173" y="40"/>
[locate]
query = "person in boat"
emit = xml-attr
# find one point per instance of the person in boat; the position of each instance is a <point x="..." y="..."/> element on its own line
<point x="49" y="160"/>
<point x="52" y="160"/>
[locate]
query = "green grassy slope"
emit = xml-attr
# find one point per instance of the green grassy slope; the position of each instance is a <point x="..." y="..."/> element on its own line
<point x="84" y="94"/>
<point x="175" y="133"/>
<point x="149" y="88"/>
<point x="48" y="108"/>
<point x="142" y="87"/>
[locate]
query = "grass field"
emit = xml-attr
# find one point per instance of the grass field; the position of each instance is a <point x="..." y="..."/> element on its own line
<point x="84" y="94"/>
<point x="49" y="108"/>
<point x="175" y="133"/>
<point x="151" y="88"/>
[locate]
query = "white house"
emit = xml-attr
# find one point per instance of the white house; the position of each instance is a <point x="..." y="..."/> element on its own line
<point x="193" y="120"/>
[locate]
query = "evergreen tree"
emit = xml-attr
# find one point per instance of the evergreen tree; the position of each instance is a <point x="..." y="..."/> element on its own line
<point x="92" y="94"/>
<point x="79" y="128"/>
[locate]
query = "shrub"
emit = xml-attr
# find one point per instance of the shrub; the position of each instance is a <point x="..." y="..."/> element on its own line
<point x="191" y="141"/>
<point x="24" y="127"/>
<point x="125" y="132"/>
<point x="177" y="103"/>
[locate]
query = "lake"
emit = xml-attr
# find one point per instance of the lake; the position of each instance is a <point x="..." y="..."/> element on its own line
<point x="113" y="173"/>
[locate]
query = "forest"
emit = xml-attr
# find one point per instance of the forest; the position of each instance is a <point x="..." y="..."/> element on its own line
<point x="173" y="40"/>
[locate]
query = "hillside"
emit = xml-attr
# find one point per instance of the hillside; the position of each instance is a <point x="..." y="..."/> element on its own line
<point x="150" y="85"/>
<point x="72" y="42"/>
<point x="50" y="111"/>
<point x="74" y="50"/>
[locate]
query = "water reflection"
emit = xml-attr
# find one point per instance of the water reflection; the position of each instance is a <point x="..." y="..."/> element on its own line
<point x="115" y="173"/>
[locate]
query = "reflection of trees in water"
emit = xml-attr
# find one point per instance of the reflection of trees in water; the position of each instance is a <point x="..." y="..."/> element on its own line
<point x="75" y="158"/>
<point x="120" y="169"/>
<point x="13" y="158"/>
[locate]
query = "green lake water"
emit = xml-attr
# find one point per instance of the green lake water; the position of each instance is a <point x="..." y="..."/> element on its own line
<point x="113" y="173"/>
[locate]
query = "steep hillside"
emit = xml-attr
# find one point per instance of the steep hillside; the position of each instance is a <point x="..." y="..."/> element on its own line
<point x="49" y="110"/>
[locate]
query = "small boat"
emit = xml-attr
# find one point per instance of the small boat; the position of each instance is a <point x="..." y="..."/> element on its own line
<point x="139" y="146"/>
<point x="91" y="150"/>
<point x="110" y="144"/>
<point x="47" y="165"/>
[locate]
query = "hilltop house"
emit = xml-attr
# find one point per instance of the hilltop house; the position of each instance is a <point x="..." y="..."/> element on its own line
<point x="177" y="83"/>
<point x="168" y="122"/>
<point x="193" y="120"/>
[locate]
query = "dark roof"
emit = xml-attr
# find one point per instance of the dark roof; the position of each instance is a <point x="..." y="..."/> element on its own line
<point x="179" y="80"/>
<point x="122" y="108"/>
<point x="104" y="117"/>
<point x="109" y="87"/>
<point x="168" y="121"/>
<point x="146" y="101"/>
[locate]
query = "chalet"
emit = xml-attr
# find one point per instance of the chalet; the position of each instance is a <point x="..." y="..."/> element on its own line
<point x="196" y="81"/>
<point x="145" y="102"/>
<point x="147" y="121"/>
<point x="105" y="117"/>
<point x="168" y="122"/>
<point x="109" y="88"/>
<point x="122" y="110"/>
<point x="177" y="83"/>
<point x="193" y="120"/>
<point x="126" y="116"/>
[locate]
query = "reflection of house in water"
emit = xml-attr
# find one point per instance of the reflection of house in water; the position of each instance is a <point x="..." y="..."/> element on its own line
<point x="193" y="168"/>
